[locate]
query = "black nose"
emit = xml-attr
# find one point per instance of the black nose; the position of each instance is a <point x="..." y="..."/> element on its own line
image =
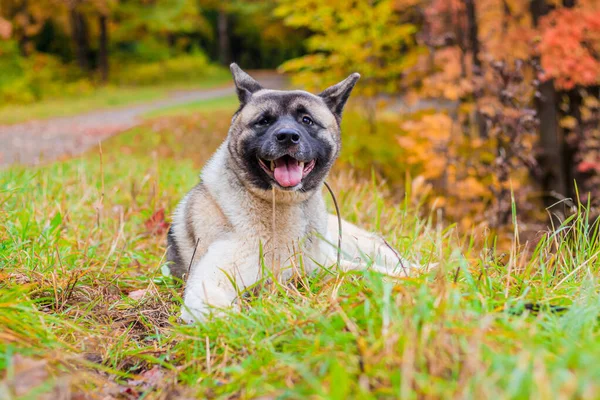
<point x="287" y="136"/>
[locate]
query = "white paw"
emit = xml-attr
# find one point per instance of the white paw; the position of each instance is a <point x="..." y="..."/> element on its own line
<point x="190" y="316"/>
<point x="198" y="304"/>
<point x="194" y="309"/>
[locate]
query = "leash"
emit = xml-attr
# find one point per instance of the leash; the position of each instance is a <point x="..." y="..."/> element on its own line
<point x="537" y="308"/>
<point x="339" y="218"/>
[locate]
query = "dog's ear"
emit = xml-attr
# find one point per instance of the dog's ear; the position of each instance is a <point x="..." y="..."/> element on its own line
<point x="245" y="85"/>
<point x="336" y="96"/>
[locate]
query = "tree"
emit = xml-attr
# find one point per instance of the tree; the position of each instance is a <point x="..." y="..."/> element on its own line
<point x="79" y="34"/>
<point x="551" y="141"/>
<point x="569" y="52"/>
<point x="26" y="18"/>
<point x="374" y="38"/>
<point x="103" y="46"/>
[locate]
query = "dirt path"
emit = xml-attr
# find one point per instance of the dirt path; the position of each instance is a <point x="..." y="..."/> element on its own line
<point x="35" y="142"/>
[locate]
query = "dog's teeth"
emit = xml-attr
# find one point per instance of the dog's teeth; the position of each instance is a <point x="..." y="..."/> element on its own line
<point x="272" y="165"/>
<point x="301" y="164"/>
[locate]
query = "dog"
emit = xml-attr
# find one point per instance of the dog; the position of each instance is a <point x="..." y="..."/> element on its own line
<point x="259" y="210"/>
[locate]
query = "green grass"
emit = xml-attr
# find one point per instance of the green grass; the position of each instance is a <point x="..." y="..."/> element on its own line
<point x="219" y="103"/>
<point x="105" y="97"/>
<point x="75" y="242"/>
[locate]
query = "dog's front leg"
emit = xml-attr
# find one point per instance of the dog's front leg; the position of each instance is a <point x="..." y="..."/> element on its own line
<point x="358" y="243"/>
<point x="229" y="265"/>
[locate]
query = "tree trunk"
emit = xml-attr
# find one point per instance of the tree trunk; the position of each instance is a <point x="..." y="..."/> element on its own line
<point x="571" y="148"/>
<point x="462" y="43"/>
<point x="551" y="141"/>
<point x="473" y="32"/>
<point x="473" y="35"/>
<point x="552" y="159"/>
<point x="79" y="33"/>
<point x="538" y="9"/>
<point x="24" y="44"/>
<point x="223" y="34"/>
<point x="21" y="33"/>
<point x="103" y="48"/>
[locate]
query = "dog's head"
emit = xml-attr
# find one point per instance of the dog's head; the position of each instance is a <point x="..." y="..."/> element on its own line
<point x="286" y="139"/>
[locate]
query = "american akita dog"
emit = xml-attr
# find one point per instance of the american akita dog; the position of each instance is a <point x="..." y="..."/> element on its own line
<point x="260" y="200"/>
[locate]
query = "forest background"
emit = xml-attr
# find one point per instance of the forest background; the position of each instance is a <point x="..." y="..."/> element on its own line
<point x="465" y="103"/>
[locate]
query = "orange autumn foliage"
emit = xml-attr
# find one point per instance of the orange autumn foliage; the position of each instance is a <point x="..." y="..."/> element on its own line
<point x="569" y="47"/>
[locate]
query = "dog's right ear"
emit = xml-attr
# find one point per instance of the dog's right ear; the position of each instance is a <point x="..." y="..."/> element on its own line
<point x="245" y="85"/>
<point x="336" y="96"/>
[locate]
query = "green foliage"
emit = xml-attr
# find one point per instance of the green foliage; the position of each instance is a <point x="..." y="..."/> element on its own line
<point x="77" y="102"/>
<point x="373" y="38"/>
<point x="259" y="38"/>
<point x="43" y="78"/>
<point x="11" y="62"/>
<point x="162" y="18"/>
<point x="186" y="68"/>
<point x="366" y="153"/>
<point x="39" y="76"/>
<point x="145" y="43"/>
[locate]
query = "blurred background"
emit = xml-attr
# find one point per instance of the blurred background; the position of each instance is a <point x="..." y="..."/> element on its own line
<point x="465" y="107"/>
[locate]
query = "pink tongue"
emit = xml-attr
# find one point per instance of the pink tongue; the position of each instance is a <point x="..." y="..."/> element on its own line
<point x="287" y="172"/>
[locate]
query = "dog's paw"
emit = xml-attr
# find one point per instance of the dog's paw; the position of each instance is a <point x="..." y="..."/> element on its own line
<point x="209" y="299"/>
<point x="190" y="316"/>
<point x="194" y="310"/>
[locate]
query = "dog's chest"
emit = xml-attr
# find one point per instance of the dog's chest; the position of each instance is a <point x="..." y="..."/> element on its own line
<point x="283" y="225"/>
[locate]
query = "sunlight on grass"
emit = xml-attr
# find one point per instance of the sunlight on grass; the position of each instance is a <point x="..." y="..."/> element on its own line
<point x="105" y="97"/>
<point x="220" y="103"/>
<point x="77" y="241"/>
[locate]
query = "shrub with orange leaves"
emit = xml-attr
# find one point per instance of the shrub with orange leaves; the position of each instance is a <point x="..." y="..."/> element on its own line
<point x="475" y="176"/>
<point x="570" y="46"/>
<point x="428" y="139"/>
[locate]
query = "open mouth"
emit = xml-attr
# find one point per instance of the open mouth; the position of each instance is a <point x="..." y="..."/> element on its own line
<point x="286" y="170"/>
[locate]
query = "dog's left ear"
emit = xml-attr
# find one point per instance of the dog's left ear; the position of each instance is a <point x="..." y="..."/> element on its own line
<point x="336" y="96"/>
<point x="245" y="85"/>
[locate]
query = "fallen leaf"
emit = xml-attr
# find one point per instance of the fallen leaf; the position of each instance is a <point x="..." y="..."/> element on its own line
<point x="156" y="224"/>
<point x="148" y="379"/>
<point x="137" y="294"/>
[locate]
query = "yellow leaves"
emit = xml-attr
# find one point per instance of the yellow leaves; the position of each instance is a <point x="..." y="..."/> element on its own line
<point x="425" y="144"/>
<point x="472" y="189"/>
<point x="348" y="36"/>
<point x="568" y="122"/>
<point x="447" y="80"/>
<point x="589" y="108"/>
<point x="434" y="127"/>
<point x="505" y="38"/>
<point x="451" y="92"/>
<point x="591" y="102"/>
<point x="456" y="170"/>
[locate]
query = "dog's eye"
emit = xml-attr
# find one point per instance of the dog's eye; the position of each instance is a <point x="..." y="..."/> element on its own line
<point x="264" y="121"/>
<point x="307" y="120"/>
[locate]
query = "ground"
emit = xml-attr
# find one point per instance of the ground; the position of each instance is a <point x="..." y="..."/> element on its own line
<point x="87" y="311"/>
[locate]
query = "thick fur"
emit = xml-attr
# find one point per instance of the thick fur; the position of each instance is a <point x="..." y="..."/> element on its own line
<point x="240" y="225"/>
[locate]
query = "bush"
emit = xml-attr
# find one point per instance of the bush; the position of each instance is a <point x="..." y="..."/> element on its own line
<point x="27" y="80"/>
<point x="186" y="68"/>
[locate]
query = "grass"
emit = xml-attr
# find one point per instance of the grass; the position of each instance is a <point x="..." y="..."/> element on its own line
<point x="78" y="241"/>
<point x="105" y="97"/>
<point x="219" y="103"/>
